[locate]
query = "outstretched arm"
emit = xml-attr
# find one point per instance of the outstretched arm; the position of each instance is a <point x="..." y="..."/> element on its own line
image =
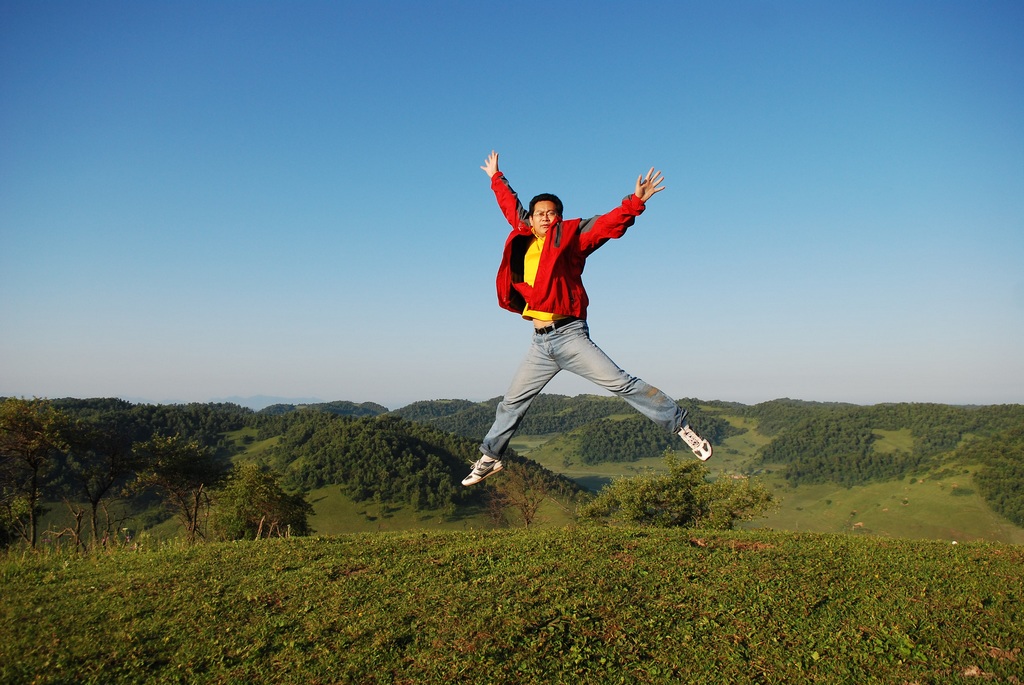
<point x="507" y="198"/>
<point x="646" y="187"/>
<point x="490" y="166"/>
<point x="594" y="232"/>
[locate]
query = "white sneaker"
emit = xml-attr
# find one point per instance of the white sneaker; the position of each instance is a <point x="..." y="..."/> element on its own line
<point x="484" y="466"/>
<point x="700" y="446"/>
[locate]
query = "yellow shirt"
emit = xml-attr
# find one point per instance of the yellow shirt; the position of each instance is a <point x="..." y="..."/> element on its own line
<point x="530" y="263"/>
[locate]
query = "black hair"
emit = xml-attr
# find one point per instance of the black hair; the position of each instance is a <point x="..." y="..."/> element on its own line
<point x="547" y="197"/>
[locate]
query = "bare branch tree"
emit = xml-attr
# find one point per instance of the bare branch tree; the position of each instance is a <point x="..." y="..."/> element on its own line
<point x="181" y="472"/>
<point x="523" y="489"/>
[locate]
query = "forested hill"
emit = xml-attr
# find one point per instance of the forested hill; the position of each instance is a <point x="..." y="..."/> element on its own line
<point x="417" y="454"/>
<point x="551" y="414"/>
<point x="852" y="445"/>
<point x="368" y="453"/>
<point x="382" y="458"/>
<point x="811" y="442"/>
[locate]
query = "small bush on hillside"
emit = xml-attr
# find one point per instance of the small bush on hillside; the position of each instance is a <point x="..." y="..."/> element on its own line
<point x="681" y="498"/>
<point x="252" y="504"/>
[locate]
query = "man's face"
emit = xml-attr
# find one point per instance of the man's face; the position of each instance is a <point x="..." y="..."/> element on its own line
<point x="544" y="217"/>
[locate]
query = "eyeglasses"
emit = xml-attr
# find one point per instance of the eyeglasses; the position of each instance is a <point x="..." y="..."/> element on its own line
<point x="550" y="214"/>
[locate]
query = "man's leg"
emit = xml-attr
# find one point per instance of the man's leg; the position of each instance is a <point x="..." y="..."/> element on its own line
<point x="576" y="352"/>
<point x="533" y="374"/>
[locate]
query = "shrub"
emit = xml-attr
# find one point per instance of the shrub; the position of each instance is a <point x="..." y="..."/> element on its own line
<point x="252" y="504"/>
<point x="681" y="498"/>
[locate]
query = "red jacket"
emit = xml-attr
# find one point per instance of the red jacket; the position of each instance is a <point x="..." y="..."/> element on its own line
<point x="558" y="287"/>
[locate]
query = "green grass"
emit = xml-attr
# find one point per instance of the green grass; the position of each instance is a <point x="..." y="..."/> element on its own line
<point x="890" y="441"/>
<point x="570" y="605"/>
<point x="255" y="450"/>
<point x="912" y="508"/>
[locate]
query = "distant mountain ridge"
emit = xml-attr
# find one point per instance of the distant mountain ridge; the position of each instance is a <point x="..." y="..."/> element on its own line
<point x="258" y="402"/>
<point x="339" y="408"/>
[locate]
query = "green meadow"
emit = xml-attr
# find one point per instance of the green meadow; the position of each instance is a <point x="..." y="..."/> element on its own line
<point x="556" y="605"/>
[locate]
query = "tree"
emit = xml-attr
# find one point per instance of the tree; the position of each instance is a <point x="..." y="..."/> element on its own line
<point x="1001" y="478"/>
<point x="32" y="434"/>
<point x="681" y="498"/>
<point x="520" y="488"/>
<point x="182" y="473"/>
<point x="99" y="466"/>
<point x="252" y="504"/>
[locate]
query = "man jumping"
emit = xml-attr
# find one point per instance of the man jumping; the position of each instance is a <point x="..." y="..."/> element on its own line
<point x="540" y="278"/>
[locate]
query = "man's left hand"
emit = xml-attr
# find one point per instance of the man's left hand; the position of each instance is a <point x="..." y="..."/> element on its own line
<point x="647" y="186"/>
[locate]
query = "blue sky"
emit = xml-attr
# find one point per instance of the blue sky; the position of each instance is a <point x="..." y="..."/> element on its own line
<point x="228" y="199"/>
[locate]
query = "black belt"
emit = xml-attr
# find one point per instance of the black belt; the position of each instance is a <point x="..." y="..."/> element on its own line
<point x="555" y="325"/>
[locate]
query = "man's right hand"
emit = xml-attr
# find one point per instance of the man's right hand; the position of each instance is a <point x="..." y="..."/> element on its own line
<point x="490" y="166"/>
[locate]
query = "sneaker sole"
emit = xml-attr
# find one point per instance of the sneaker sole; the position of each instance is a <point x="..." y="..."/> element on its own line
<point x="702" y="450"/>
<point x="497" y="467"/>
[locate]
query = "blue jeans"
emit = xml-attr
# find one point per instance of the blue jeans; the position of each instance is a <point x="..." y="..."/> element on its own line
<point x="571" y="348"/>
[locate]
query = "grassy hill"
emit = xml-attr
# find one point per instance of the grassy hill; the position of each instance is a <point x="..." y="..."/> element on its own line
<point x="568" y="605"/>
